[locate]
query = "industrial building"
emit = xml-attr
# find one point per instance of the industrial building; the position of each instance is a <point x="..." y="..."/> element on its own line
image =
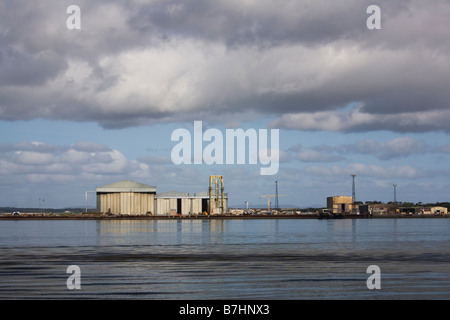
<point x="392" y="208"/>
<point x="340" y="204"/>
<point x="438" y="210"/>
<point x="133" y="198"/>
<point x="379" y="209"/>
<point x="126" y="197"/>
<point x="425" y="210"/>
<point x="175" y="202"/>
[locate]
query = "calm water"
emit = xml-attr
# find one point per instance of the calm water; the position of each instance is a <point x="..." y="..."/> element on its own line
<point x="226" y="259"/>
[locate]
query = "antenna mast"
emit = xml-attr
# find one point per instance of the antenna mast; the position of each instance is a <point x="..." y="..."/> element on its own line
<point x="276" y="196"/>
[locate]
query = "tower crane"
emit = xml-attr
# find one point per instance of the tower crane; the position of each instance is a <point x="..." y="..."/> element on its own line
<point x="268" y="198"/>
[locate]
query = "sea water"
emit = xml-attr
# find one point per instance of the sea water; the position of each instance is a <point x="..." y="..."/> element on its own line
<point x="282" y="259"/>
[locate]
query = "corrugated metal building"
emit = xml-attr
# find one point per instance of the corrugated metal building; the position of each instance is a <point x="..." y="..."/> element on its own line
<point x="126" y="197"/>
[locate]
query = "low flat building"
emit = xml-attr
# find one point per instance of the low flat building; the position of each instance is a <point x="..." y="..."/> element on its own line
<point x="175" y="202"/>
<point x="431" y="210"/>
<point x="439" y="210"/>
<point x="379" y="209"/>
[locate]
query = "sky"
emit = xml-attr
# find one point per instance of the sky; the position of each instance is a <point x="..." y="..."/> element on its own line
<point x="88" y="106"/>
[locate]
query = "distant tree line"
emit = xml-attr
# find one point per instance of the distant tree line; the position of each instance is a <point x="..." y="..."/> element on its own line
<point x="37" y="210"/>
<point x="409" y="204"/>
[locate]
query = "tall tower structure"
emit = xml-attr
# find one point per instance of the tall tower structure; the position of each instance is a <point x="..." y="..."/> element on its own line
<point x="353" y="188"/>
<point x="216" y="204"/>
<point x="395" y="193"/>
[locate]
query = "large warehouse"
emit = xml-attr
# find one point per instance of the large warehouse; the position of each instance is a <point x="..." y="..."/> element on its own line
<point x="132" y="198"/>
<point x="126" y="197"/>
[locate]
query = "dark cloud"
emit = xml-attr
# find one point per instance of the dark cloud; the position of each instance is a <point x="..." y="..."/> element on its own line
<point x="260" y="23"/>
<point x="138" y="62"/>
<point x="24" y="69"/>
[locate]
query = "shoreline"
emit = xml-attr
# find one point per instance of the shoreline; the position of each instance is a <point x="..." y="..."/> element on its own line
<point x="213" y="217"/>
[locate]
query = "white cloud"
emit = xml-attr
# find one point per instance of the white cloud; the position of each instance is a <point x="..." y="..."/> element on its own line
<point x="357" y="120"/>
<point x="397" y="147"/>
<point x="55" y="163"/>
<point x="32" y="158"/>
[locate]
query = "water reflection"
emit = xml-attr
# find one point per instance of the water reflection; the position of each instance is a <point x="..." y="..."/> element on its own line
<point x="185" y="231"/>
<point x="220" y="259"/>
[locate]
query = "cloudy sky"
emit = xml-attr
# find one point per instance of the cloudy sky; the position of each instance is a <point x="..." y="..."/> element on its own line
<point x="83" y="108"/>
